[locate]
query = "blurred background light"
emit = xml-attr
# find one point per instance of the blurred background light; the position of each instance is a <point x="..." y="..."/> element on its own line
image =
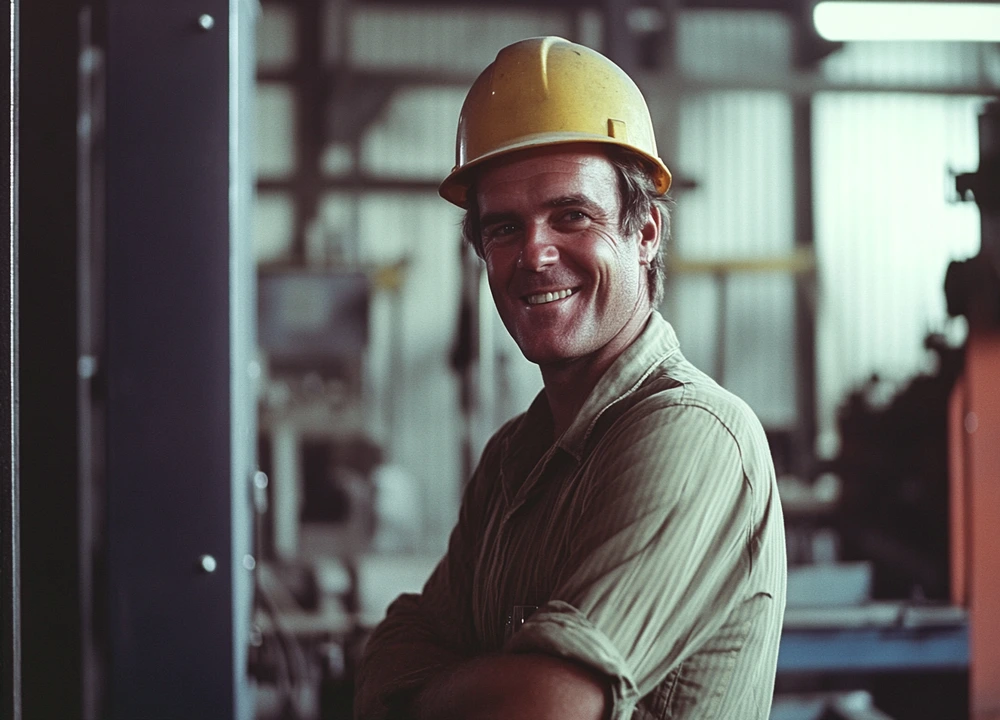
<point x="943" y="21"/>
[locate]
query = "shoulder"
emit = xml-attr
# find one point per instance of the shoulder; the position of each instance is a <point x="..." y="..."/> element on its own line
<point x="688" y="415"/>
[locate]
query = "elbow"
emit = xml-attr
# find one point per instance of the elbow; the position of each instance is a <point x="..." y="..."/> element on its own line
<point x="572" y="693"/>
<point x="527" y="687"/>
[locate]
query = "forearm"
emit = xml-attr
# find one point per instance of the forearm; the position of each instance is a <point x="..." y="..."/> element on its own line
<point x="525" y="686"/>
<point x="399" y="658"/>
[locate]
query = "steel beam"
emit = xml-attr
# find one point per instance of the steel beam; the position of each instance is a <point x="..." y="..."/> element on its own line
<point x="672" y="83"/>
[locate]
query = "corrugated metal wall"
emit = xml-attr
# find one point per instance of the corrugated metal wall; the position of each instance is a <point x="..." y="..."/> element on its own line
<point x="885" y="228"/>
<point x="450" y="39"/>
<point x="737" y="147"/>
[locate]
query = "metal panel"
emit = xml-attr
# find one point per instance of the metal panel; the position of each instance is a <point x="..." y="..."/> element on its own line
<point x="179" y="296"/>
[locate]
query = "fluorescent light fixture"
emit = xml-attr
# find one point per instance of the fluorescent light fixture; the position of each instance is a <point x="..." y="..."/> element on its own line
<point x="948" y="21"/>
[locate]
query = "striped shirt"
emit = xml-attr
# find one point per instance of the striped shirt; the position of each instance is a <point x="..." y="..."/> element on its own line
<point x="649" y="537"/>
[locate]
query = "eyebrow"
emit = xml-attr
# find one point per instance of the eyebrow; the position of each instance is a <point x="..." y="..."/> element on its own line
<point x="565" y="200"/>
<point x="557" y="202"/>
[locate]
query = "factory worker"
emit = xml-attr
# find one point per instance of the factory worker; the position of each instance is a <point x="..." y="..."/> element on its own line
<point x="620" y="548"/>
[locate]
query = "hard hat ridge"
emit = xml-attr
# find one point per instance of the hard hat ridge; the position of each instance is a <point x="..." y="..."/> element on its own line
<point x="549" y="91"/>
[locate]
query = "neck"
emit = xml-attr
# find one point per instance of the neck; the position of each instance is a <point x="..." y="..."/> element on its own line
<point x="568" y="383"/>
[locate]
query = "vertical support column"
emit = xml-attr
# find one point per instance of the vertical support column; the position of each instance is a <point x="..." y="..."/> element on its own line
<point x="810" y="49"/>
<point x="179" y="298"/>
<point x="982" y="427"/>
<point x="10" y="566"/>
<point x="310" y="128"/>
<point x="51" y="590"/>
<point x="805" y="311"/>
<point x="619" y="41"/>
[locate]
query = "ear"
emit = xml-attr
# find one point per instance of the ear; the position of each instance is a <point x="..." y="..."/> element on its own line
<point x="649" y="236"/>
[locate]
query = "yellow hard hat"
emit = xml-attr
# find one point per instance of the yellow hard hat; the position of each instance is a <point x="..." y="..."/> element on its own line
<point x="547" y="91"/>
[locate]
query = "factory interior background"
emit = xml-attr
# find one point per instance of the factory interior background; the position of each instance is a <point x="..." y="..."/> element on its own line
<point x="252" y="364"/>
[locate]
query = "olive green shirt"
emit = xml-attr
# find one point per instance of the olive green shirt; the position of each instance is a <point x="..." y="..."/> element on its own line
<point x="649" y="536"/>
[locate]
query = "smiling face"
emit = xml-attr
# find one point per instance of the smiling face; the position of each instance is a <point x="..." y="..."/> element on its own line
<point x="566" y="282"/>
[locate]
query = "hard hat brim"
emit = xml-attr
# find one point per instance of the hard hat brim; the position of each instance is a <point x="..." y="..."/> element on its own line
<point x="455" y="187"/>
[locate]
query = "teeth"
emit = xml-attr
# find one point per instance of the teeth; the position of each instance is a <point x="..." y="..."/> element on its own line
<point x="548" y="297"/>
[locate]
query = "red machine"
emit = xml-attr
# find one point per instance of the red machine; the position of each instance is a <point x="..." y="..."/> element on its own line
<point x="973" y="289"/>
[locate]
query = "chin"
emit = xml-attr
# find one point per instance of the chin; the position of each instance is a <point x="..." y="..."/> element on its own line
<point x="547" y="354"/>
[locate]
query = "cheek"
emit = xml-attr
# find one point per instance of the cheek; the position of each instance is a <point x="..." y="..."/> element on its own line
<point x="498" y="275"/>
<point x="618" y="261"/>
<point x="498" y="258"/>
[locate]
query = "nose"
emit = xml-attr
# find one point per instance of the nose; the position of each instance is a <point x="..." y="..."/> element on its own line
<point x="539" y="250"/>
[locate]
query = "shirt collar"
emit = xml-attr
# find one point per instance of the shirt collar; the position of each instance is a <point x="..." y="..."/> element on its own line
<point x="531" y="437"/>
<point x="654" y="345"/>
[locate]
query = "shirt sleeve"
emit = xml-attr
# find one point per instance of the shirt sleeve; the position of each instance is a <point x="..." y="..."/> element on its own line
<point x="427" y="633"/>
<point x="661" y="551"/>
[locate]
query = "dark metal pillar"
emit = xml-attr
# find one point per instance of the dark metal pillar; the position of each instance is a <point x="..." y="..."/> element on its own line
<point x="805" y="301"/>
<point x="10" y="570"/>
<point x="179" y="287"/>
<point x="47" y="363"/>
<point x="619" y="41"/>
<point x="310" y="120"/>
<point x="810" y="49"/>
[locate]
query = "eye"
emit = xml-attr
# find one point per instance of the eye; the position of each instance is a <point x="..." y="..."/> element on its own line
<point x="499" y="231"/>
<point x="574" y="217"/>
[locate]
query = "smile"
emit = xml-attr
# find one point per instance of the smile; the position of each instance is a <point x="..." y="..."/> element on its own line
<point x="548" y="297"/>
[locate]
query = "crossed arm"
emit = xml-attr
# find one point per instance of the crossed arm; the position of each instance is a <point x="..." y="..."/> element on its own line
<point x="687" y="540"/>
<point x="431" y="672"/>
<point x="500" y="687"/>
<point x="449" y="684"/>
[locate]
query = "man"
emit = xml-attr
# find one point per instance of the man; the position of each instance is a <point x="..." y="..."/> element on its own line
<point x="620" y="549"/>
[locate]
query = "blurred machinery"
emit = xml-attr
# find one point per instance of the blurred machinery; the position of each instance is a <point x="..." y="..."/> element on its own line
<point x="919" y="501"/>
<point x="893" y="463"/>
<point x="325" y="498"/>
<point x="315" y="494"/>
<point x="313" y="329"/>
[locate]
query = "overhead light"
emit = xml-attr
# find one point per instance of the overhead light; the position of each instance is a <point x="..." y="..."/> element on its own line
<point x="841" y="20"/>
